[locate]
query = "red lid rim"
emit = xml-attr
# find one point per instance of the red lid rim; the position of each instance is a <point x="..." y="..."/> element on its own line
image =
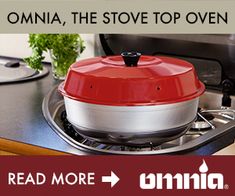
<point x="200" y="91"/>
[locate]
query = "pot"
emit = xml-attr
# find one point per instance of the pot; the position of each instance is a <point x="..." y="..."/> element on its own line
<point x="131" y="99"/>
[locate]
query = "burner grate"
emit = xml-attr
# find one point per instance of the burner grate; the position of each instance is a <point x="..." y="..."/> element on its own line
<point x="70" y="131"/>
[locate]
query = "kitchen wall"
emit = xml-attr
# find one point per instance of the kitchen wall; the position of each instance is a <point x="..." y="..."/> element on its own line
<point x="16" y="45"/>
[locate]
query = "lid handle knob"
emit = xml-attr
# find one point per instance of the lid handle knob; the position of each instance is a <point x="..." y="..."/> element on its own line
<point x="131" y="58"/>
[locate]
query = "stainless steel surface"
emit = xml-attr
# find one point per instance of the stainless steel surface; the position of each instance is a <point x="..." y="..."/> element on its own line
<point x="200" y="125"/>
<point x="53" y="107"/>
<point x="226" y="112"/>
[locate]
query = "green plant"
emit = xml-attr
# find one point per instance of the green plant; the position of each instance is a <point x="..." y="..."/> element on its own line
<point x="64" y="50"/>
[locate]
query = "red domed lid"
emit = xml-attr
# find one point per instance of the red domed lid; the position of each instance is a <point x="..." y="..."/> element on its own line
<point x="132" y="79"/>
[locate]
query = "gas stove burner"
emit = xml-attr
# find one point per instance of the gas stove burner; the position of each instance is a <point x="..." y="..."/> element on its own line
<point x="153" y="142"/>
<point x="207" y="116"/>
<point x="192" y="142"/>
<point x="203" y="121"/>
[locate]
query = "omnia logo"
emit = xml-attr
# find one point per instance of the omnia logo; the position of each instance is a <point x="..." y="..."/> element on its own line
<point x="201" y="180"/>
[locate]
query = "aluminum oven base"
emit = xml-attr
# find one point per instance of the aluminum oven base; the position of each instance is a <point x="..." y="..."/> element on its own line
<point x="198" y="143"/>
<point x="131" y="125"/>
